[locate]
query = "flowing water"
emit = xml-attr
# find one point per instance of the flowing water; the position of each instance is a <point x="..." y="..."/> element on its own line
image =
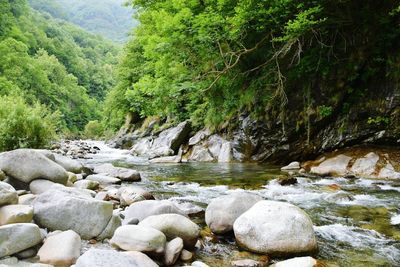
<point x="357" y="221"/>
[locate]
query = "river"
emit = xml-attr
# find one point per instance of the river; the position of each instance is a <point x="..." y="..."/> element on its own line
<point x="357" y="221"/>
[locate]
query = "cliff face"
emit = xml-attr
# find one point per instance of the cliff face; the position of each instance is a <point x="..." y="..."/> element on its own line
<point x="370" y="117"/>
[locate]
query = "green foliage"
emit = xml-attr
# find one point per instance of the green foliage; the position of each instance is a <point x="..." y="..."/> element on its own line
<point x="211" y="60"/>
<point x="24" y="126"/>
<point x="325" y="111"/>
<point x="56" y="64"/>
<point x="378" y="120"/>
<point x="108" y="18"/>
<point x="94" y="130"/>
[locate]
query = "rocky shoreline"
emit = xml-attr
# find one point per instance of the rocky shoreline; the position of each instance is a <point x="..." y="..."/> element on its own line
<point x="51" y="205"/>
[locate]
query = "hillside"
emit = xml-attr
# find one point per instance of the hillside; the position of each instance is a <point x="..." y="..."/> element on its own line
<point x="108" y="18"/>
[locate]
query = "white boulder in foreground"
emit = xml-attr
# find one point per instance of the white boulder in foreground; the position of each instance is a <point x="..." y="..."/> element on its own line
<point x="61" y="249"/>
<point x="62" y="208"/>
<point x="105" y="258"/>
<point x="26" y="165"/>
<point x="275" y="228"/>
<point x="15" y="238"/>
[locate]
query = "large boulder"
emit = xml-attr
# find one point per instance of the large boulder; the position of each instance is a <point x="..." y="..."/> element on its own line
<point x="123" y="174"/>
<point x="105" y="258"/>
<point x="174" y="225"/>
<point x="17" y="237"/>
<point x="275" y="228"/>
<point x="68" y="164"/>
<point x="61" y="249"/>
<point x="26" y="165"/>
<point x="200" y="154"/>
<point x="388" y="171"/>
<point x="8" y="195"/>
<point x="143" y="209"/>
<point x="226" y="154"/>
<point x="366" y="165"/>
<point x="112" y="225"/>
<point x="139" y="238"/>
<point x="69" y="209"/>
<point x="40" y="186"/>
<point x="173" y="138"/>
<point x="222" y="212"/>
<point x="140" y="259"/>
<point x="336" y="166"/>
<point x="16" y="214"/>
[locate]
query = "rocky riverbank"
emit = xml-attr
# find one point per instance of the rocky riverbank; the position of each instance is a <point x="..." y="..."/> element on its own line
<point x="50" y="203"/>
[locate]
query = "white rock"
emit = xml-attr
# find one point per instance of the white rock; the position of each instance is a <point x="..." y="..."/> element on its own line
<point x="27" y="165"/>
<point x="103" y="179"/>
<point x="172" y="251"/>
<point x="222" y="212"/>
<point x="68" y="164"/>
<point x="131" y="194"/>
<point x="123" y="174"/>
<point x="16" y="214"/>
<point x="139" y="238"/>
<point x="333" y="166"/>
<point x="40" y="186"/>
<point x="200" y="154"/>
<point x="87" y="184"/>
<point x="275" y="228"/>
<point x="68" y="209"/>
<point x="199" y="264"/>
<point x="62" y="249"/>
<point x="143" y="209"/>
<point x="26" y="199"/>
<point x="17" y="237"/>
<point x="389" y="172"/>
<point x="366" y="165"/>
<point x="105" y="258"/>
<point x="297" y="262"/>
<point x="225" y="154"/>
<point x="141" y="259"/>
<point x="199" y="136"/>
<point x="295" y="165"/>
<point x="174" y="225"/>
<point x="8" y="195"/>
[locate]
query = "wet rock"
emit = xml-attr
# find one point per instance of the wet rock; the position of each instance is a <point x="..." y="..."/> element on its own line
<point x="139" y="238"/>
<point x="141" y="259"/>
<point x="172" y="251"/>
<point x="123" y="174"/>
<point x="8" y="195"/>
<point x="339" y="197"/>
<point x="69" y="209"/>
<point x="27" y="165"/>
<point x="293" y="166"/>
<point x="388" y="171"/>
<point x="366" y="165"/>
<point x="170" y="159"/>
<point x="103" y="179"/>
<point x="62" y="249"/>
<point x="142" y="209"/>
<point x="225" y="154"/>
<point x="287" y="180"/>
<point x="222" y="212"/>
<point x="174" y="225"/>
<point x="297" y="262"/>
<point x="18" y="237"/>
<point x="105" y="258"/>
<point x="275" y="228"/>
<point x="336" y="166"/>
<point x="26" y="199"/>
<point x="186" y="255"/>
<point x="16" y="214"/>
<point x="131" y="194"/>
<point x="68" y="164"/>
<point x="40" y="186"/>
<point x="246" y="263"/>
<point x="199" y="136"/>
<point x="87" y="184"/>
<point x="200" y="154"/>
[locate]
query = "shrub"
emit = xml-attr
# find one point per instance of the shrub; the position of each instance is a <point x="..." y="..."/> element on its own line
<point x="24" y="126"/>
<point x="94" y="130"/>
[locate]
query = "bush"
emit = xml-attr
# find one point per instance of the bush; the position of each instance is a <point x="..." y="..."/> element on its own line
<point x="24" y="126"/>
<point x="94" y="130"/>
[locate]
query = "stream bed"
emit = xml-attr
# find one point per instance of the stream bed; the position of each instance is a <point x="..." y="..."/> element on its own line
<point x="357" y="221"/>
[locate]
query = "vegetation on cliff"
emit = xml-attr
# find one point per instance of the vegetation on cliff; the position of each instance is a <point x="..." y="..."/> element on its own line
<point x="209" y="61"/>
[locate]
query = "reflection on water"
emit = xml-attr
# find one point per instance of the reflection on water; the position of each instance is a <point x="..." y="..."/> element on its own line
<point x="357" y="221"/>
